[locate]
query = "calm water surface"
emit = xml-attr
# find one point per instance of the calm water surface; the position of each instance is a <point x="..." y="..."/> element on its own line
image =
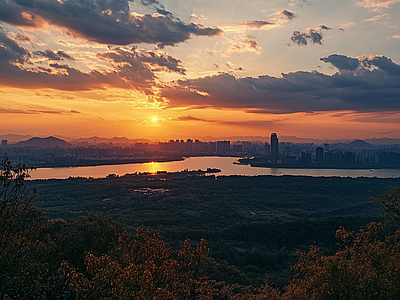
<point x="194" y="163"/>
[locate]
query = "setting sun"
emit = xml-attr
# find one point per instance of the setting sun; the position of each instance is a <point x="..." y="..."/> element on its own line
<point x="154" y="119"/>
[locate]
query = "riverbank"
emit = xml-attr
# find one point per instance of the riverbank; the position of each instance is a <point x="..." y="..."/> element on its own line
<point x="108" y="162"/>
<point x="261" y="163"/>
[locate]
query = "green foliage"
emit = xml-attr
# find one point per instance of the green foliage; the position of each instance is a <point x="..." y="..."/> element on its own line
<point x="94" y="257"/>
<point x="247" y="221"/>
<point x="140" y="268"/>
<point x="92" y="233"/>
<point x="23" y="268"/>
<point x="367" y="265"/>
<point x="389" y="204"/>
<point x="16" y="213"/>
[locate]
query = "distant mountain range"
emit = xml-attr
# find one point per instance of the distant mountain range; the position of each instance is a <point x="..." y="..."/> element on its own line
<point x="15" y="138"/>
<point x="48" y="142"/>
<point x="357" y="144"/>
<point x="114" y="140"/>
<point x="21" y="140"/>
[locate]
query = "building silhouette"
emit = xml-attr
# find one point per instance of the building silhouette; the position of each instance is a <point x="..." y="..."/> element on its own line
<point x="4" y="143"/>
<point x="274" y="147"/>
<point x="305" y="157"/>
<point x="319" y="154"/>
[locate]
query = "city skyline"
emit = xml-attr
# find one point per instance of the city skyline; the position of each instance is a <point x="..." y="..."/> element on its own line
<point x="52" y="151"/>
<point x="172" y="69"/>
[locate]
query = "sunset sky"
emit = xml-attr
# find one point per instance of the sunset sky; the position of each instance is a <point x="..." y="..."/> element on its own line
<point x="190" y="68"/>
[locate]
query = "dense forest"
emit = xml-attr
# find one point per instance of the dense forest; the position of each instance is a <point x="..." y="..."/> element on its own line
<point x="190" y="236"/>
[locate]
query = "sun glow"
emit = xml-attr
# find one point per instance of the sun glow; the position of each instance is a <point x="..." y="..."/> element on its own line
<point x="154" y="119"/>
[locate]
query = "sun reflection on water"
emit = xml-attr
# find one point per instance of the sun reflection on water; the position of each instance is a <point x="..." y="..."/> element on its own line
<point x="153" y="167"/>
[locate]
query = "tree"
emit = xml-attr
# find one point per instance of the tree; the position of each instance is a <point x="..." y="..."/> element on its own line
<point x="366" y="266"/>
<point x="389" y="204"/>
<point x="15" y="203"/>
<point x="140" y="267"/>
<point x="23" y="270"/>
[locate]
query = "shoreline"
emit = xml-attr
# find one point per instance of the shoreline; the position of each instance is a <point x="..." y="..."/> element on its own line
<point x="240" y="161"/>
<point x="94" y="163"/>
<point x="317" y="166"/>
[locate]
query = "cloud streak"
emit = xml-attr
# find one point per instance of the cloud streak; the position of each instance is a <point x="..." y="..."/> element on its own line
<point x="374" y="4"/>
<point x="253" y="25"/>
<point x="278" y="18"/>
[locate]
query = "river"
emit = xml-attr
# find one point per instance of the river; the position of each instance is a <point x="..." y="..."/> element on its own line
<point x="225" y="164"/>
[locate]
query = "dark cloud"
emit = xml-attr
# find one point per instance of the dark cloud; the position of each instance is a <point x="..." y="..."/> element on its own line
<point x="252" y="45"/>
<point x="383" y="63"/>
<point x="191" y="118"/>
<point x="373" y="86"/>
<point x="14" y="14"/>
<point x="255" y="24"/>
<point x="102" y="21"/>
<point x="288" y="14"/>
<point x="23" y="38"/>
<point x="313" y="35"/>
<point x="300" y="38"/>
<point x="149" y="2"/>
<point x="58" y="66"/>
<point x="51" y="55"/>
<point x="324" y="27"/>
<point x="10" y="50"/>
<point x="157" y="6"/>
<point x="342" y="62"/>
<point x="142" y="62"/>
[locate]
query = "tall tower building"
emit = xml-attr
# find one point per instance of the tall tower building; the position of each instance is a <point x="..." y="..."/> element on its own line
<point x="4" y="143"/>
<point x="274" y="147"/>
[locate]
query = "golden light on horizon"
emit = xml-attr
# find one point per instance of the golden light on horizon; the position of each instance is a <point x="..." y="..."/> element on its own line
<point x="154" y="119"/>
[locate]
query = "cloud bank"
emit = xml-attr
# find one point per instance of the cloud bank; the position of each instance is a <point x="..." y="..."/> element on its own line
<point x="367" y="83"/>
<point x="131" y="69"/>
<point x="106" y="22"/>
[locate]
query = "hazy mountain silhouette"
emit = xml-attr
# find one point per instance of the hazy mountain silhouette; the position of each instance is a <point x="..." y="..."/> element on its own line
<point x="356" y="144"/>
<point x="115" y="140"/>
<point x="48" y="142"/>
<point x="383" y="141"/>
<point x="15" y="138"/>
<point x="359" y="144"/>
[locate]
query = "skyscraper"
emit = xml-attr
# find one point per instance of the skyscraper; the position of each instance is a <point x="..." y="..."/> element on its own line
<point x="274" y="147"/>
<point x="319" y="154"/>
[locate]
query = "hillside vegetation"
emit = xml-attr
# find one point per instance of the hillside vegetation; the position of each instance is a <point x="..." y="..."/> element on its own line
<point x="206" y="237"/>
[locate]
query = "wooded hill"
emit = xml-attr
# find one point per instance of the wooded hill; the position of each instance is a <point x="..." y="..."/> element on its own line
<point x="254" y="226"/>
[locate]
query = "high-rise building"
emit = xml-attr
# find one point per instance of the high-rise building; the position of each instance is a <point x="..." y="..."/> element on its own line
<point x="267" y="149"/>
<point x="319" y="154"/>
<point x="305" y="157"/>
<point x="274" y="147"/>
<point x="4" y="143"/>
